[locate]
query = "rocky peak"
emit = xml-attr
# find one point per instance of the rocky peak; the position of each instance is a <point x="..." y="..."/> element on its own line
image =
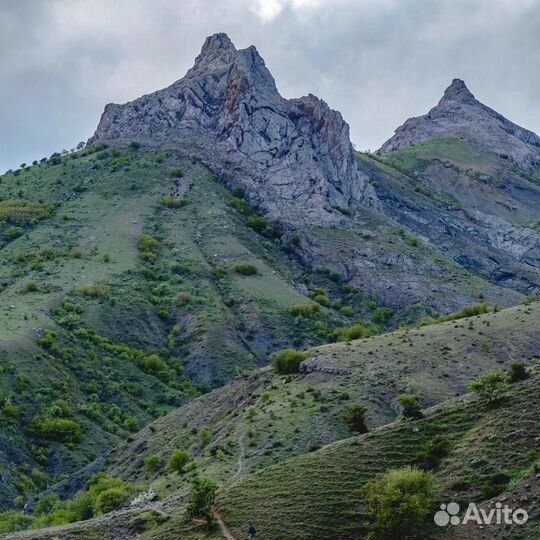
<point x="460" y="114"/>
<point x="457" y="91"/>
<point x="293" y="158"/>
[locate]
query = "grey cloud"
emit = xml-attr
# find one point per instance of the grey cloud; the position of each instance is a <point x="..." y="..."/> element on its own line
<point x="377" y="61"/>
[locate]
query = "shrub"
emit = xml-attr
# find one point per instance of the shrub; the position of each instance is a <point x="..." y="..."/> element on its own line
<point x="60" y="429"/>
<point x="152" y="463"/>
<point x="176" y="172"/>
<point x="201" y="498"/>
<point x="148" y="246"/>
<point x="397" y="501"/>
<point x="288" y="361"/>
<point x="490" y="386"/>
<point x="322" y="299"/>
<point x="172" y="202"/>
<point x="134" y="145"/>
<point x="412" y="408"/>
<point x="205" y="437"/>
<point x="93" y="290"/>
<point x="259" y="224"/>
<point x="355" y="418"/>
<point x="111" y="499"/>
<point x="246" y="269"/>
<point x="518" y="372"/>
<point x="29" y="286"/>
<point x="356" y="331"/>
<point x="21" y="212"/>
<point x="11" y="521"/>
<point x="382" y="315"/>
<point x="469" y="311"/>
<point x="306" y="311"/>
<point x="178" y="461"/>
<point x="184" y="299"/>
<point x="154" y="365"/>
<point x="347" y="311"/>
<point x="433" y="452"/>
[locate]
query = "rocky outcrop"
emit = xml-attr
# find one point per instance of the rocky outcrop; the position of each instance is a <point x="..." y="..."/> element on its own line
<point x="459" y="114"/>
<point x="293" y="157"/>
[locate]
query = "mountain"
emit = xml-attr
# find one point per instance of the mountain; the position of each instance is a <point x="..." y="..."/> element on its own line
<point x="149" y="279"/>
<point x="293" y="158"/>
<point x="459" y="114"/>
<point x="295" y="163"/>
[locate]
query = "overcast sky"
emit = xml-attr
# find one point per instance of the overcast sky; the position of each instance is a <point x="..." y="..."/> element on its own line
<point x="377" y="61"/>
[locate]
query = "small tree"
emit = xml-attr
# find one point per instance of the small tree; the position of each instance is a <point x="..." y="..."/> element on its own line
<point x="490" y="386"/>
<point x="288" y="361"/>
<point x="178" y="461"/>
<point x="201" y="499"/>
<point x="412" y="408"/>
<point x="399" y="504"/>
<point x="355" y="418"/>
<point x="518" y="372"/>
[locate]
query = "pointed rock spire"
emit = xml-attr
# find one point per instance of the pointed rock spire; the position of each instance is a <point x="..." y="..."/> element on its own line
<point x="457" y="91"/>
<point x="217" y="47"/>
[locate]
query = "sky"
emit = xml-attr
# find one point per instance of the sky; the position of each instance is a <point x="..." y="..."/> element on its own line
<point x="378" y="62"/>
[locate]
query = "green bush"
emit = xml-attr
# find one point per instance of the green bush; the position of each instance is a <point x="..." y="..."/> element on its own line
<point x="397" y="501"/>
<point x="29" y="286"/>
<point x="518" y="372"/>
<point x="172" y="202"/>
<point x="356" y="331"/>
<point x="246" y="269"/>
<point x="94" y="290"/>
<point x="355" y="418"/>
<point x="412" y="408"/>
<point x="288" y="361"/>
<point x="111" y="499"/>
<point x="490" y="387"/>
<point x="259" y="224"/>
<point x="60" y="429"/>
<point x="469" y="311"/>
<point x="382" y="315"/>
<point x="433" y="453"/>
<point x="148" y="247"/>
<point x="201" y="498"/>
<point x="11" y="521"/>
<point x="178" y="461"/>
<point x="306" y="311"/>
<point x="152" y="463"/>
<point x="176" y="172"/>
<point x="184" y="299"/>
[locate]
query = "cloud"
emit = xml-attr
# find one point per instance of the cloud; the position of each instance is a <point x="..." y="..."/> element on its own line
<point x="377" y="61"/>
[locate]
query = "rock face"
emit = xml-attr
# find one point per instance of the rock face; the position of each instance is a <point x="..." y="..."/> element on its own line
<point x="459" y="114"/>
<point x="293" y="157"/>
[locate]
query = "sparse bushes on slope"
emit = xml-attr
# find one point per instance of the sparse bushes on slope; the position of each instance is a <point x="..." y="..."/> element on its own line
<point x="178" y="461"/>
<point x="94" y="290"/>
<point x="21" y="212"/>
<point x="306" y="311"/>
<point x="355" y="418"/>
<point x="246" y="269"/>
<point x="469" y="311"/>
<point x="490" y="387"/>
<point x="288" y="361"/>
<point x="356" y="331"/>
<point x="399" y="504"/>
<point x="148" y="247"/>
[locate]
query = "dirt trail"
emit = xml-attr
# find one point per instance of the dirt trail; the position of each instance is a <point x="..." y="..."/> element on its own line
<point x="240" y="458"/>
<point x="224" y="529"/>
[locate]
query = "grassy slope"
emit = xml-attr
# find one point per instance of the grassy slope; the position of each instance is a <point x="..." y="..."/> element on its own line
<point x="318" y="495"/>
<point x="265" y="418"/>
<point x="101" y="203"/>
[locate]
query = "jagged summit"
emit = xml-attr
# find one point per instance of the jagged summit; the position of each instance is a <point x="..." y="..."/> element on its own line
<point x="460" y="114"/>
<point x="293" y="158"/>
<point x="457" y="91"/>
